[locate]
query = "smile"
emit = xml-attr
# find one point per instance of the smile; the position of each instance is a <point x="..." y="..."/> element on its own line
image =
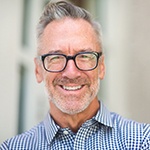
<point x="72" y="88"/>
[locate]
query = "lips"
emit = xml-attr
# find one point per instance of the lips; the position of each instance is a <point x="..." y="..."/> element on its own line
<point x="72" y="88"/>
<point x="71" y="84"/>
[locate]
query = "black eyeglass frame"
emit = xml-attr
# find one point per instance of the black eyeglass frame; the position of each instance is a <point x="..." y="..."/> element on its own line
<point x="97" y="54"/>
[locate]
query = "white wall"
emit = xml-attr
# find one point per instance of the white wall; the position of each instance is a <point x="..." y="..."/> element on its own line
<point x="9" y="39"/>
<point x="139" y="68"/>
<point x="13" y="54"/>
<point x="127" y="43"/>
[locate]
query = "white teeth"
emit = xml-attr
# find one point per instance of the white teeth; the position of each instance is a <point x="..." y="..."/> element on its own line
<point x="72" y="88"/>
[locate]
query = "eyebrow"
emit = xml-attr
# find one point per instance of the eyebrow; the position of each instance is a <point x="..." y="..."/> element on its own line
<point x="80" y="50"/>
<point x="62" y="52"/>
<point x="86" y="50"/>
<point x="55" y="51"/>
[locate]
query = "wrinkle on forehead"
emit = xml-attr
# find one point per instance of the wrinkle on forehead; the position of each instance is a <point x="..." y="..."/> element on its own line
<point x="64" y="34"/>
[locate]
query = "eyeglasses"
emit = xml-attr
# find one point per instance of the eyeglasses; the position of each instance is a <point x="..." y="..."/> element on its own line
<point x="84" y="61"/>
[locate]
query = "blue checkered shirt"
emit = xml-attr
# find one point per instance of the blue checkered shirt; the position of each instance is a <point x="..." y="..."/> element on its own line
<point x="105" y="131"/>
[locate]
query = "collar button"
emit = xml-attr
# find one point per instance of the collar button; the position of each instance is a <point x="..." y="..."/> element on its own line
<point x="65" y="132"/>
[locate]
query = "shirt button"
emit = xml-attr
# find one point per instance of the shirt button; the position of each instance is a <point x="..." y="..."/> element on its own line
<point x="65" y="132"/>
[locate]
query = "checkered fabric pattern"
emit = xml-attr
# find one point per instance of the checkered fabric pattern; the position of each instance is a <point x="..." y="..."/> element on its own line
<point x="105" y="131"/>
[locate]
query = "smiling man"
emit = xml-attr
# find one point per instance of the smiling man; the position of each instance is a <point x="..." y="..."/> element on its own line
<point x="71" y="58"/>
<point x="70" y="62"/>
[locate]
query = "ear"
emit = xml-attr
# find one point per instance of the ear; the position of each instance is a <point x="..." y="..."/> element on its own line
<point x="101" y="68"/>
<point x="38" y="70"/>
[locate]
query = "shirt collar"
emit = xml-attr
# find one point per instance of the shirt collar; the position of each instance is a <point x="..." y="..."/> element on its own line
<point x="51" y="128"/>
<point x="103" y="116"/>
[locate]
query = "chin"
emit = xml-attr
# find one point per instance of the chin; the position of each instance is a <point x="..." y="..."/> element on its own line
<point x="72" y="108"/>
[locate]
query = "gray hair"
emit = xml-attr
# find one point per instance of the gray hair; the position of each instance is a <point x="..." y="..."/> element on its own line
<point x="56" y="10"/>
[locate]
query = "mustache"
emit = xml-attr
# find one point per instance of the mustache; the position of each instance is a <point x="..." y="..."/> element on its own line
<point x="65" y="80"/>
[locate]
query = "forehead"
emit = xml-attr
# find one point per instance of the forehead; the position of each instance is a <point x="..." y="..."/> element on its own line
<point x="69" y="34"/>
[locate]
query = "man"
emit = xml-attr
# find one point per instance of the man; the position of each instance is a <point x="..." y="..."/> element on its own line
<point x="70" y="62"/>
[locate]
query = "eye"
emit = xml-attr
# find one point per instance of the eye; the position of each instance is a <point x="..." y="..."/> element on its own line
<point x="83" y="56"/>
<point x="54" y="58"/>
<point x="87" y="56"/>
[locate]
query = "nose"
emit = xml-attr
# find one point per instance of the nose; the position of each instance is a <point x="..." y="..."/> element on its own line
<point x="71" y="71"/>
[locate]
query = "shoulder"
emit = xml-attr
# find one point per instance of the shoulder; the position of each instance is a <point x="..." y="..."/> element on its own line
<point x="123" y="123"/>
<point x="26" y="140"/>
<point x="132" y="131"/>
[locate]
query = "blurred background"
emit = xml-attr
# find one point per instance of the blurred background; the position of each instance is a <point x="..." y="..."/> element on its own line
<point x="126" y="87"/>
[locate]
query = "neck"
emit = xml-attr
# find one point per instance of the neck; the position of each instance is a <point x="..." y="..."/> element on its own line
<point x="74" y="122"/>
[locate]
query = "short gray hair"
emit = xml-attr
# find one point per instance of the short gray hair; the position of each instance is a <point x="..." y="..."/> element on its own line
<point x="56" y="10"/>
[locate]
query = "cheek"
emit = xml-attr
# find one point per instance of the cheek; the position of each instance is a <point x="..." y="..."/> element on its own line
<point x="96" y="73"/>
<point x="48" y="79"/>
<point x="93" y="76"/>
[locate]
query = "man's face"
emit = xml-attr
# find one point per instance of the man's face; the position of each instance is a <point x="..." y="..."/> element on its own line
<point x="71" y="90"/>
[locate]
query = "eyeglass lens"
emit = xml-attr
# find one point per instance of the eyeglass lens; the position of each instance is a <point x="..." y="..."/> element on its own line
<point x="58" y="62"/>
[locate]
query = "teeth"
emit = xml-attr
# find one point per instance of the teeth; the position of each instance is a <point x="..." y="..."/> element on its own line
<point x="72" y="88"/>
